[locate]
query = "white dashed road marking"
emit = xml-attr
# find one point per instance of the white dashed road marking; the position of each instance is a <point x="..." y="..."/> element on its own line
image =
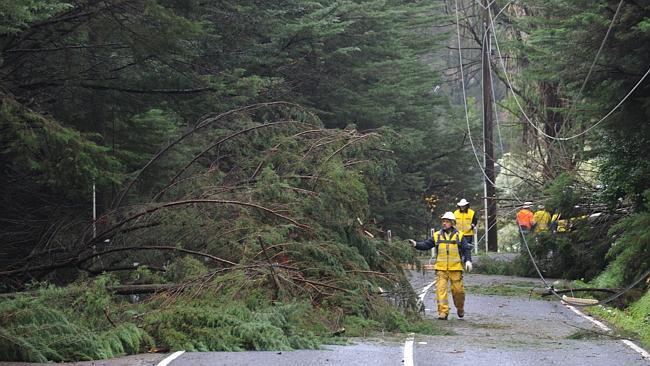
<point x="408" y="345"/>
<point x="408" y="351"/>
<point x="170" y="358"/>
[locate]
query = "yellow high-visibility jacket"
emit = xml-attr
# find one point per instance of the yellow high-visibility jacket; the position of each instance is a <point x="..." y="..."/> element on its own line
<point x="542" y="219"/>
<point x="464" y="221"/>
<point x="449" y="246"/>
<point x="453" y="250"/>
<point x="561" y="224"/>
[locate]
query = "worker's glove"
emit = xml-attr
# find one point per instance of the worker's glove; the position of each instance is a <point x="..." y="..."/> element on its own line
<point x="412" y="242"/>
<point x="468" y="266"/>
<point x="473" y="226"/>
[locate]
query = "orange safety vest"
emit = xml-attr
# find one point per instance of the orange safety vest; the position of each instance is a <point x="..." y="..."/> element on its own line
<point x="525" y="218"/>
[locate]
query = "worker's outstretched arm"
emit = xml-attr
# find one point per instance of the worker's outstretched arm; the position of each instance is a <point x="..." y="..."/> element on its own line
<point x="422" y="245"/>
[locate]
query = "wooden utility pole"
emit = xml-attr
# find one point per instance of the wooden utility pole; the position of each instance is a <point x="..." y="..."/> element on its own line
<point x="488" y="145"/>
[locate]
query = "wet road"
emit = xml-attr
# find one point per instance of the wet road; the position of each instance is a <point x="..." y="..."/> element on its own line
<point x="362" y="354"/>
<point x="515" y="330"/>
<point x="497" y="330"/>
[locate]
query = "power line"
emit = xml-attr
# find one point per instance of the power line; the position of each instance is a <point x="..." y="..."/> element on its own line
<point x="527" y="118"/>
<point x="462" y="76"/>
<point x="496" y="112"/>
<point x="502" y="9"/>
<point x="602" y="45"/>
<point x="485" y="233"/>
<point x="469" y="130"/>
<point x="552" y="290"/>
<point x="484" y="6"/>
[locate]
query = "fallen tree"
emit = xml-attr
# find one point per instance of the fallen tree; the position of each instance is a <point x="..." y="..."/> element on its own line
<point x="264" y="217"/>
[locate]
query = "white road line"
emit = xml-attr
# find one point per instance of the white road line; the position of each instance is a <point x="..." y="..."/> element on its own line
<point x="408" y="345"/>
<point x="580" y="313"/>
<point x="170" y="358"/>
<point x="408" y="350"/>
<point x="632" y="345"/>
<point x="602" y="326"/>
<point x="424" y="291"/>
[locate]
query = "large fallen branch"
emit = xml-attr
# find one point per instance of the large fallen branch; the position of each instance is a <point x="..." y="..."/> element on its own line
<point x="157" y="247"/>
<point x="218" y="143"/>
<point x="105" y="234"/>
<point x="117" y="290"/>
<point x="199" y="126"/>
<point x="144" y="289"/>
<point x="253" y="208"/>
<point x="586" y="289"/>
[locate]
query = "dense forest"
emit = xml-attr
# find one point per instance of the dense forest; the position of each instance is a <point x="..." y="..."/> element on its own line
<point x="224" y="175"/>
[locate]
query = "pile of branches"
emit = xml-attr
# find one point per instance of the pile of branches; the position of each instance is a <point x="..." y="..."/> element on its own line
<point x="263" y="190"/>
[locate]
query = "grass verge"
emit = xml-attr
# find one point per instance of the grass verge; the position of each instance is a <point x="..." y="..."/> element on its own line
<point x="507" y="289"/>
<point x="635" y="319"/>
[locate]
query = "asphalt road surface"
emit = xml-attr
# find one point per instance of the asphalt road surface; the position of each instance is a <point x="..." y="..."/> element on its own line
<point x="497" y="330"/>
<point x="516" y="330"/>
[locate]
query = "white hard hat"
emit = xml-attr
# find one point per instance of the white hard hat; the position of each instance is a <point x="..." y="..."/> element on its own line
<point x="527" y="204"/>
<point x="462" y="203"/>
<point x="448" y="216"/>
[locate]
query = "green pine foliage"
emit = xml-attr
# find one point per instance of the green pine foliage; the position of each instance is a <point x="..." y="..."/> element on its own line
<point x="233" y="327"/>
<point x="230" y="313"/>
<point x="50" y="155"/>
<point x="604" y="171"/>
<point x="628" y="256"/>
<point x="328" y="268"/>
<point x="132" y="78"/>
<point x="17" y="15"/>
<point x="60" y="325"/>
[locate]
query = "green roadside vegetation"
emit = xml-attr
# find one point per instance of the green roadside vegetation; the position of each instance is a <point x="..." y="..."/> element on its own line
<point x="246" y="160"/>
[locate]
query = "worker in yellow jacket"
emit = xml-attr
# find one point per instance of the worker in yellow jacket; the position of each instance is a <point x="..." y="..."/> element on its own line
<point x="454" y="256"/>
<point x="541" y="220"/>
<point x="558" y="225"/>
<point x="466" y="220"/>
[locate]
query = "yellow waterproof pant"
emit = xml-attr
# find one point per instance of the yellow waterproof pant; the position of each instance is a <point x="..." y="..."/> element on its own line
<point x="457" y="291"/>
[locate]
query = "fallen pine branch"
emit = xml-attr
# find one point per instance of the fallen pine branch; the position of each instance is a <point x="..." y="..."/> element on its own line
<point x="202" y="124"/>
<point x="103" y="235"/>
<point x="117" y="290"/>
<point x="587" y="289"/>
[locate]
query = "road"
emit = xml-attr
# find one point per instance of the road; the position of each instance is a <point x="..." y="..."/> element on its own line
<point x="516" y="330"/>
<point x="503" y="330"/>
<point x="498" y="329"/>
